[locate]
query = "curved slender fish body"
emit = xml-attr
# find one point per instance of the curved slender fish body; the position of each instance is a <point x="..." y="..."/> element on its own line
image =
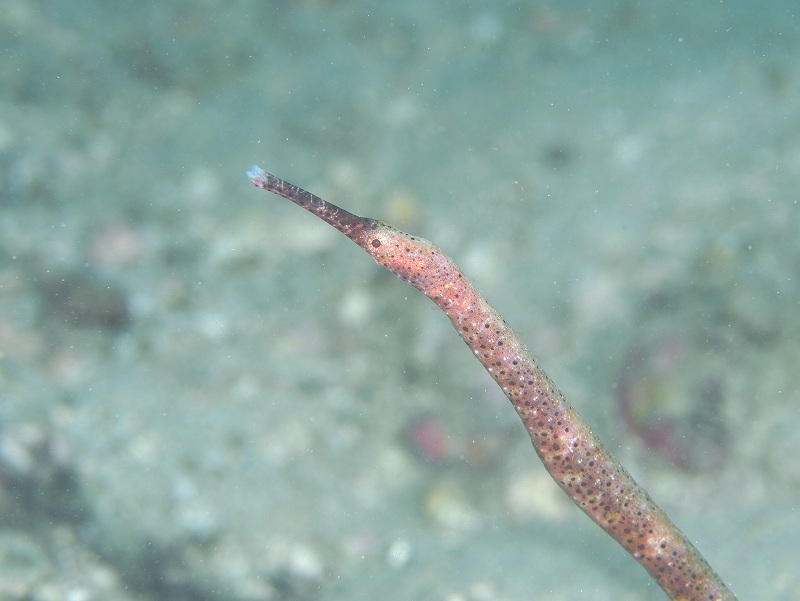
<point x="577" y="460"/>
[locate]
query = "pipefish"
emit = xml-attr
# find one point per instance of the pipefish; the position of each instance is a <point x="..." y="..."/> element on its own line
<point x="573" y="455"/>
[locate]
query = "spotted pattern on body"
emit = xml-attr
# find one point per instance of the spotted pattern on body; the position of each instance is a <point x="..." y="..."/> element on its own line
<point x="574" y="456"/>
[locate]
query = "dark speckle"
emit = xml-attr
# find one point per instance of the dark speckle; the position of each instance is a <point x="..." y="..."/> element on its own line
<point x="84" y="299"/>
<point x="558" y="155"/>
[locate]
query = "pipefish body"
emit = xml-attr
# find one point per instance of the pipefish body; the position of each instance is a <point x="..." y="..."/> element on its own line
<point x="576" y="459"/>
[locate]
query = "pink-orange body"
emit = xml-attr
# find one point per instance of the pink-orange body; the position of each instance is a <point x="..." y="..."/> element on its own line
<point x="571" y="452"/>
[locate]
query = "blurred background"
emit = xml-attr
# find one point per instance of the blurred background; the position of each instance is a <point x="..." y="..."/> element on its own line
<point x="206" y="394"/>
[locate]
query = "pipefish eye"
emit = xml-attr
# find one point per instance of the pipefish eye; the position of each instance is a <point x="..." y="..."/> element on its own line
<point x="375" y="243"/>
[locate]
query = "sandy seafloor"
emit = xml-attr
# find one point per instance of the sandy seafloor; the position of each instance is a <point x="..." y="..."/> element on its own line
<point x="206" y="395"/>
